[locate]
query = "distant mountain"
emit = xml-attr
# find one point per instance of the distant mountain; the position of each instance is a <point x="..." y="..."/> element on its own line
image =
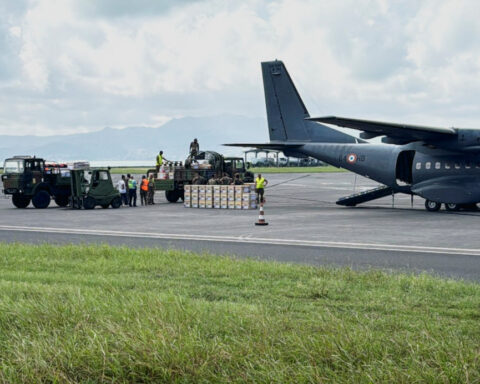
<point x="141" y="143"/>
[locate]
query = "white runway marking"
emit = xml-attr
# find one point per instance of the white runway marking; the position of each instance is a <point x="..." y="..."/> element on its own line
<point x="248" y="239"/>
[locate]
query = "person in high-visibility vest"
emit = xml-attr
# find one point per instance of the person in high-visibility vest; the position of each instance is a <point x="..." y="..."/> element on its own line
<point x="143" y="190"/>
<point x="260" y="184"/>
<point x="160" y="160"/>
<point x="132" y="191"/>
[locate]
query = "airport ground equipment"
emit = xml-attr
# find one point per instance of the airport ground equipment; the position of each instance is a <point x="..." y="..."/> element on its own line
<point x="93" y="187"/>
<point x="32" y="179"/>
<point x="206" y="164"/>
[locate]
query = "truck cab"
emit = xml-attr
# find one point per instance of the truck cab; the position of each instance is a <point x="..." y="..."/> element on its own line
<point x="28" y="180"/>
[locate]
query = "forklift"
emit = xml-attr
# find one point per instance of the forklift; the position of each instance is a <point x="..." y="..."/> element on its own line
<point x="92" y="187"/>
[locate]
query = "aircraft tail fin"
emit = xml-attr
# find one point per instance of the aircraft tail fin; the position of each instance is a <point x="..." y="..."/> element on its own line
<point x="286" y="112"/>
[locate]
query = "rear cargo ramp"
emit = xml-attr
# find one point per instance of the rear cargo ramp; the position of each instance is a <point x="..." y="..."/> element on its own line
<point x="363" y="197"/>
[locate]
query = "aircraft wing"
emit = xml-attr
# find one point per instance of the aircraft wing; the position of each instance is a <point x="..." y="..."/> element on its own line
<point x="396" y="133"/>
<point x="272" y="146"/>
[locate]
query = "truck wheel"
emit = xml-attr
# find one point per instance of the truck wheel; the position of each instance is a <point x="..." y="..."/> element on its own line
<point x="89" y="202"/>
<point x="432" y="206"/>
<point x="20" y="201"/>
<point x="172" y="196"/>
<point x="61" y="201"/>
<point x="41" y="200"/>
<point x="116" y="202"/>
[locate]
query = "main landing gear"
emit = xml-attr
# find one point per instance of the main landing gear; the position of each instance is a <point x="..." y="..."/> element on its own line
<point x="433" y="206"/>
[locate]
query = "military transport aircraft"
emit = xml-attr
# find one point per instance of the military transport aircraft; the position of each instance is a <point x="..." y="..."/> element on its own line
<point x="442" y="165"/>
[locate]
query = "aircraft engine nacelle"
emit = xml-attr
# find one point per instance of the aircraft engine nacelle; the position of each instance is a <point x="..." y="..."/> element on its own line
<point x="469" y="137"/>
<point x="450" y="189"/>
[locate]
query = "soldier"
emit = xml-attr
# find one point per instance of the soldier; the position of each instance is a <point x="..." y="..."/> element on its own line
<point x="198" y="180"/>
<point x="194" y="148"/>
<point x="213" y="181"/>
<point x="237" y="180"/>
<point x="151" y="191"/>
<point x="226" y="180"/>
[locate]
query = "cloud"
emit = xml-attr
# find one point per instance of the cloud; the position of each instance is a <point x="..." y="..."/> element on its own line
<point x="72" y="65"/>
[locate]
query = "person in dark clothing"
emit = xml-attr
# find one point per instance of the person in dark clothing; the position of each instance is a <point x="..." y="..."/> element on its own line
<point x="151" y="190"/>
<point x="194" y="148"/>
<point x="237" y="180"/>
<point x="132" y="191"/>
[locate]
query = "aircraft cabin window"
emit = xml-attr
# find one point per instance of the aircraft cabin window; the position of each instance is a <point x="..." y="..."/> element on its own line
<point x="468" y="165"/>
<point x="447" y="165"/>
<point x="418" y="166"/>
<point x="457" y="166"/>
<point x="477" y="165"/>
<point x="437" y="165"/>
<point x="428" y="164"/>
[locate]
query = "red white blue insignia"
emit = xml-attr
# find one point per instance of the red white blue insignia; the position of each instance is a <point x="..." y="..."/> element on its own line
<point x="351" y="158"/>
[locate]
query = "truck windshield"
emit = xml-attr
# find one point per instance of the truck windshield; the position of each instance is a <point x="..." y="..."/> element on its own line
<point x="13" y="166"/>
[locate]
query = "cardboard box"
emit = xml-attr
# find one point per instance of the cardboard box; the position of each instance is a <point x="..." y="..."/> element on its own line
<point x="238" y="205"/>
<point x="231" y="197"/>
<point x="187" y="204"/>
<point x="209" y="204"/>
<point x="216" y="188"/>
<point x="223" y="205"/>
<point x="194" y="204"/>
<point x="217" y="205"/>
<point x="208" y="189"/>
<point x="194" y="188"/>
<point x="201" y="204"/>
<point x="201" y="188"/>
<point x="209" y="198"/>
<point x="231" y="205"/>
<point x="238" y="189"/>
<point x="187" y="187"/>
<point x="216" y="198"/>
<point x="246" y="197"/>
<point x="223" y="188"/>
<point x="247" y="188"/>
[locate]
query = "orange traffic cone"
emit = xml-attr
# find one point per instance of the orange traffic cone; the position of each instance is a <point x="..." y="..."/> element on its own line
<point x="261" y="217"/>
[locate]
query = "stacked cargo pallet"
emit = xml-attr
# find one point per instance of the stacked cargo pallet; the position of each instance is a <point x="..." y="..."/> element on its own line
<point x="220" y="196"/>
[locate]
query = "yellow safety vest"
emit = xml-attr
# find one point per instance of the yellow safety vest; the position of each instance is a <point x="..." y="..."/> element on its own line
<point x="260" y="182"/>
<point x="159" y="159"/>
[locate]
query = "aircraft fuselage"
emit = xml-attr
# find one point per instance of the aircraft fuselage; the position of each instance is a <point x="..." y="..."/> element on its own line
<point x="434" y="174"/>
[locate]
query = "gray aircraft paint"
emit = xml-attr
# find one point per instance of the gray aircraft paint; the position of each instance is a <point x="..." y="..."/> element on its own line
<point x="453" y="175"/>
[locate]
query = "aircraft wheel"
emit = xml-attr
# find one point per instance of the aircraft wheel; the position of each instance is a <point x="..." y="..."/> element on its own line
<point x="432" y="206"/>
<point x="61" y="201"/>
<point x="41" y="200"/>
<point x="116" y="202"/>
<point x="89" y="202"/>
<point x="20" y="201"/>
<point x="452" y="207"/>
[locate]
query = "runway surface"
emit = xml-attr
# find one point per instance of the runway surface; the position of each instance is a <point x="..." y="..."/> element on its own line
<point x="305" y="226"/>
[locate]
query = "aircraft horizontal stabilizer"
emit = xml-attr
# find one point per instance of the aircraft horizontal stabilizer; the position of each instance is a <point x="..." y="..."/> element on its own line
<point x="398" y="132"/>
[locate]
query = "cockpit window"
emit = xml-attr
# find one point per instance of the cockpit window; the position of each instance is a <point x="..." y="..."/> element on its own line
<point x="13" y="166"/>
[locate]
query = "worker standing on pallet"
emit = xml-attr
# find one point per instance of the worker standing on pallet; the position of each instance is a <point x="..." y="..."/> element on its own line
<point x="160" y="160"/>
<point x="260" y="184"/>
<point x="194" y="148"/>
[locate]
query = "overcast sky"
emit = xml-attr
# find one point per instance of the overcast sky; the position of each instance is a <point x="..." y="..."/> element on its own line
<point x="80" y="65"/>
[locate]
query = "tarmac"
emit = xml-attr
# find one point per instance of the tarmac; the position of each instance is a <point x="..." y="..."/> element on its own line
<point x="305" y="226"/>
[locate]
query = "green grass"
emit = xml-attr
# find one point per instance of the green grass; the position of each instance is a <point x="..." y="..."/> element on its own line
<point x="132" y="170"/>
<point x="100" y="314"/>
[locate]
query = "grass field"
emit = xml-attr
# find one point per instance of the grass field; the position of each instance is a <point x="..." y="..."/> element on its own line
<point x="101" y="314"/>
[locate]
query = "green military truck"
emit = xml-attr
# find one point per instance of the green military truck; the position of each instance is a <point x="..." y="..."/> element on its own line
<point x="31" y="179"/>
<point x="93" y="187"/>
<point x="206" y="164"/>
